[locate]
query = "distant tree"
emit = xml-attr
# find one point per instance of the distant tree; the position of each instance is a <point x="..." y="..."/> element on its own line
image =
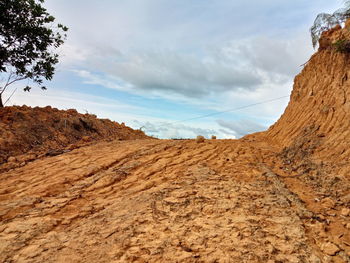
<point x="326" y="21"/>
<point x="28" y="38"/>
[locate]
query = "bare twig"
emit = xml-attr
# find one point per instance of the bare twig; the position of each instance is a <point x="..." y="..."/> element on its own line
<point x="305" y="63"/>
<point x="6" y="84"/>
<point x="11" y="82"/>
<point x="10" y="96"/>
<point x="17" y="79"/>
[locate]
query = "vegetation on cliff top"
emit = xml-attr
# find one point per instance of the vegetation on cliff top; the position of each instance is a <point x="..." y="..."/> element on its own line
<point x="325" y="21"/>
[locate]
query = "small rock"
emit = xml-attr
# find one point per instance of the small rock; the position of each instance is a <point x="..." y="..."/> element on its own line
<point x="314" y="259"/>
<point x="347" y="225"/>
<point x="330" y="249"/>
<point x="86" y="138"/>
<point x="54" y="152"/>
<point x="12" y="159"/>
<point x="213" y="137"/>
<point x="66" y="221"/>
<point x="270" y="248"/>
<point x="72" y="147"/>
<point x="320" y="230"/>
<point x="321" y="217"/>
<point x="331" y="213"/>
<point x="200" y="139"/>
<point x="208" y="210"/>
<point x="345" y="212"/>
<point x="31" y="156"/>
<point x="91" y="242"/>
<point x="328" y="203"/>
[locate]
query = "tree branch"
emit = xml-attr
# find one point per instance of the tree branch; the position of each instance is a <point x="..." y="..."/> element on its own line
<point x="10" y="97"/>
<point x="6" y="84"/>
<point x="11" y="82"/>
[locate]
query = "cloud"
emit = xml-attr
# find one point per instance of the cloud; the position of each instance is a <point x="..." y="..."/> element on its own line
<point x="190" y="75"/>
<point x="179" y="130"/>
<point x="148" y="50"/>
<point x="175" y="72"/>
<point x="235" y="66"/>
<point x="149" y="23"/>
<point x="241" y="127"/>
<point x="277" y="57"/>
<point x="173" y="130"/>
<point x="226" y="132"/>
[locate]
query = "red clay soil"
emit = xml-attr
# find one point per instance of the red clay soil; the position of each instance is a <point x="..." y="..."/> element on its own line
<point x="48" y="130"/>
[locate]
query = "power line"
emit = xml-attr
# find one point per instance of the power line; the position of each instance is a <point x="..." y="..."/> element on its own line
<point x="229" y="110"/>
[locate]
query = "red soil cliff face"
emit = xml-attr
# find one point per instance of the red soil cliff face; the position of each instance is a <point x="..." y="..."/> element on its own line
<point x="316" y="123"/>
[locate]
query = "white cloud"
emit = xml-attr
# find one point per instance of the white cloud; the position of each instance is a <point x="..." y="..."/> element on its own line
<point x="71" y="55"/>
<point x="177" y="73"/>
<point x="236" y="67"/>
<point x="165" y="130"/>
<point x="146" y="50"/>
<point x="241" y="127"/>
<point x="280" y="59"/>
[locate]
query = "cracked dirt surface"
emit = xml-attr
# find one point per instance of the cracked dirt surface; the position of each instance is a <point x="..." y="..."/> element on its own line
<point x="155" y="201"/>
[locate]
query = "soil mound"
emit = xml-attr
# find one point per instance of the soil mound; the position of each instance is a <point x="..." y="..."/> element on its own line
<point x="49" y="130"/>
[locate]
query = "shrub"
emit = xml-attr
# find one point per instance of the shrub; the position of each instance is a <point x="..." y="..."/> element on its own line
<point x="324" y="22"/>
<point x="342" y="45"/>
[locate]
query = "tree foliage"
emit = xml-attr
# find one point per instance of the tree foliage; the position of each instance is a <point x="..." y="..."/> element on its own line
<point x="326" y="21"/>
<point x="28" y="39"/>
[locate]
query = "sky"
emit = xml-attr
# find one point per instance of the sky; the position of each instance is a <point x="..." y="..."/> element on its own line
<point x="158" y="65"/>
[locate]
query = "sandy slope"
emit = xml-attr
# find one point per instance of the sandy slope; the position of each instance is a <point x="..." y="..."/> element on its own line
<point x="155" y="201"/>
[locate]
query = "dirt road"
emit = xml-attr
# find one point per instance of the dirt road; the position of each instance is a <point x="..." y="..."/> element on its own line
<point x="156" y="201"/>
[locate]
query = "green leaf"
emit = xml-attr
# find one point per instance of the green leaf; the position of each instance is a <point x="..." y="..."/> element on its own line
<point x="28" y="40"/>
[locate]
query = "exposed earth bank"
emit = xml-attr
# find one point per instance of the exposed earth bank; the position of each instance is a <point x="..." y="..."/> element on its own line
<point x="26" y="133"/>
<point x="278" y="196"/>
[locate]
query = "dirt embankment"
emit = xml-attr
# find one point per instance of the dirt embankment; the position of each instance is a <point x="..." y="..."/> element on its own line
<point x="313" y="135"/>
<point x="316" y="119"/>
<point x="278" y="196"/>
<point x="33" y="131"/>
